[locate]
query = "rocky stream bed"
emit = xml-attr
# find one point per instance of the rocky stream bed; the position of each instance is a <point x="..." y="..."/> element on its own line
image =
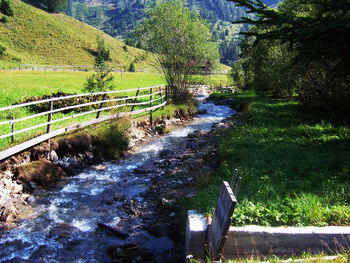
<point x="119" y="211"/>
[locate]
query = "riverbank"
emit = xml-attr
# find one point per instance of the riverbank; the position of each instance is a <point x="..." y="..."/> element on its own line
<point x="27" y="173"/>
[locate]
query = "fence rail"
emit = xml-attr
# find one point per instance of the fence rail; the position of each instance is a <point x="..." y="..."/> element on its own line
<point x="30" y="67"/>
<point x="156" y="95"/>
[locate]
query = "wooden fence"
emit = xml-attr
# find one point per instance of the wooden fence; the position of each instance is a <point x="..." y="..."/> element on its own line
<point x="31" y="67"/>
<point x="153" y="98"/>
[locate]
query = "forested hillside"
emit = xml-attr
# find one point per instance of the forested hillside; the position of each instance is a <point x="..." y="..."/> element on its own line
<point x="118" y="18"/>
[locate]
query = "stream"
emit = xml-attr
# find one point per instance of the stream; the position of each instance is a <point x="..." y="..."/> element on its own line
<point x="64" y="224"/>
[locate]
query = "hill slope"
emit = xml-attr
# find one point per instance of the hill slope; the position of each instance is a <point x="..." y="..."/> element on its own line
<point x="119" y="17"/>
<point x="37" y="37"/>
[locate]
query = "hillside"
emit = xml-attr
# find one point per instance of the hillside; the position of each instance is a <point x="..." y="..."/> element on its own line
<point x="37" y="37"/>
<point x="118" y="18"/>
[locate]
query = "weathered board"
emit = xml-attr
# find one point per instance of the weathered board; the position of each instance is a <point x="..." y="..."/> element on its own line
<point x="217" y="232"/>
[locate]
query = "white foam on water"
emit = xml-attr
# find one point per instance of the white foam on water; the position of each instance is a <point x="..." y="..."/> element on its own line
<point x="96" y="191"/>
<point x="54" y="213"/>
<point x="70" y="188"/>
<point x="83" y="225"/>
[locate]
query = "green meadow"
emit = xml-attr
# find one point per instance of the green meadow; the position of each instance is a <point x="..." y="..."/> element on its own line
<point x="294" y="164"/>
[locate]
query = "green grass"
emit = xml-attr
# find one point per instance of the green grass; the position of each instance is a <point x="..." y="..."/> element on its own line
<point x="37" y="37"/>
<point x="295" y="165"/>
<point x="20" y="85"/>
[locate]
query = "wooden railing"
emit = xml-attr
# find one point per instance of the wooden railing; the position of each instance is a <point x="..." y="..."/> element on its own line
<point x="31" y="67"/>
<point x="156" y="95"/>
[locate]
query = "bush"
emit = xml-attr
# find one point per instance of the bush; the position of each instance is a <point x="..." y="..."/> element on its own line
<point x="4" y="19"/>
<point x="125" y="47"/>
<point x="6" y="8"/>
<point x="111" y="140"/>
<point x="132" y="67"/>
<point x="2" y="50"/>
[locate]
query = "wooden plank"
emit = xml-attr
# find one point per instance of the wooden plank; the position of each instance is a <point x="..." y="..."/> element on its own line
<point x="30" y="143"/>
<point x="217" y="232"/>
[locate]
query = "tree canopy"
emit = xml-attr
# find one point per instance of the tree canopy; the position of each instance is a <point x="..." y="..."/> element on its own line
<point x="182" y="41"/>
<point x="50" y="5"/>
<point x="300" y="49"/>
<point x="316" y="29"/>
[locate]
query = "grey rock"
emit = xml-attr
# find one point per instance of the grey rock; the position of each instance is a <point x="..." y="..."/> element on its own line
<point x="32" y="185"/>
<point x="30" y="199"/>
<point x="63" y="230"/>
<point x="64" y="164"/>
<point x="202" y="111"/>
<point x="74" y="162"/>
<point x="53" y="156"/>
<point x="158" y="229"/>
<point x="142" y="171"/>
<point x="119" y="197"/>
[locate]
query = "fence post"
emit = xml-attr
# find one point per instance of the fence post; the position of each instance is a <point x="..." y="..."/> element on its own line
<point x="13" y="129"/>
<point x="101" y="106"/>
<point x="137" y="94"/>
<point x="48" y="130"/>
<point x="150" y="112"/>
<point x="166" y="93"/>
<point x="161" y="96"/>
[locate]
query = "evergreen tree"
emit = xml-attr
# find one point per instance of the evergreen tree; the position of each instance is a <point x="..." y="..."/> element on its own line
<point x="6" y="8"/>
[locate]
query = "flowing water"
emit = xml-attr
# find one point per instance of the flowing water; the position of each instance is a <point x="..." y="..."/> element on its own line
<point x="86" y="199"/>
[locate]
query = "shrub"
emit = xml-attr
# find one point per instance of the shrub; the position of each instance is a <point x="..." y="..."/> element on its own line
<point x="4" y="19"/>
<point x="132" y="67"/>
<point x="6" y="8"/>
<point x="125" y="47"/>
<point x="2" y="50"/>
<point x="111" y="140"/>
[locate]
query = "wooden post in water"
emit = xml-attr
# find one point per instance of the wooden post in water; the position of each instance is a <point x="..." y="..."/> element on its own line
<point x="150" y="112"/>
<point x="13" y="129"/>
<point x="135" y="100"/>
<point x="101" y="106"/>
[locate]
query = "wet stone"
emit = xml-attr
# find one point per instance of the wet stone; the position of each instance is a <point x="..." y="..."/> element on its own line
<point x="158" y="229"/>
<point x="165" y="153"/>
<point x="63" y="230"/>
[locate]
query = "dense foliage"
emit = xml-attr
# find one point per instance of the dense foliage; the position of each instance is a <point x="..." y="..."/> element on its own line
<point x="50" y="5"/>
<point x="300" y="49"/>
<point x="6" y="8"/>
<point x="183" y="44"/>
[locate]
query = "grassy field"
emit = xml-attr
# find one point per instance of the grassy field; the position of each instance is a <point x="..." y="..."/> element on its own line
<point x="19" y="85"/>
<point x="295" y="165"/>
<point x="37" y="37"/>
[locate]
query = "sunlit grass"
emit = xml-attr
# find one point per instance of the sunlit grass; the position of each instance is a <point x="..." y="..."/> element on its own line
<point x="294" y="163"/>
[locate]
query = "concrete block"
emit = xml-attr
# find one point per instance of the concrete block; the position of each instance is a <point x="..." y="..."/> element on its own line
<point x="256" y="241"/>
<point x="196" y="232"/>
